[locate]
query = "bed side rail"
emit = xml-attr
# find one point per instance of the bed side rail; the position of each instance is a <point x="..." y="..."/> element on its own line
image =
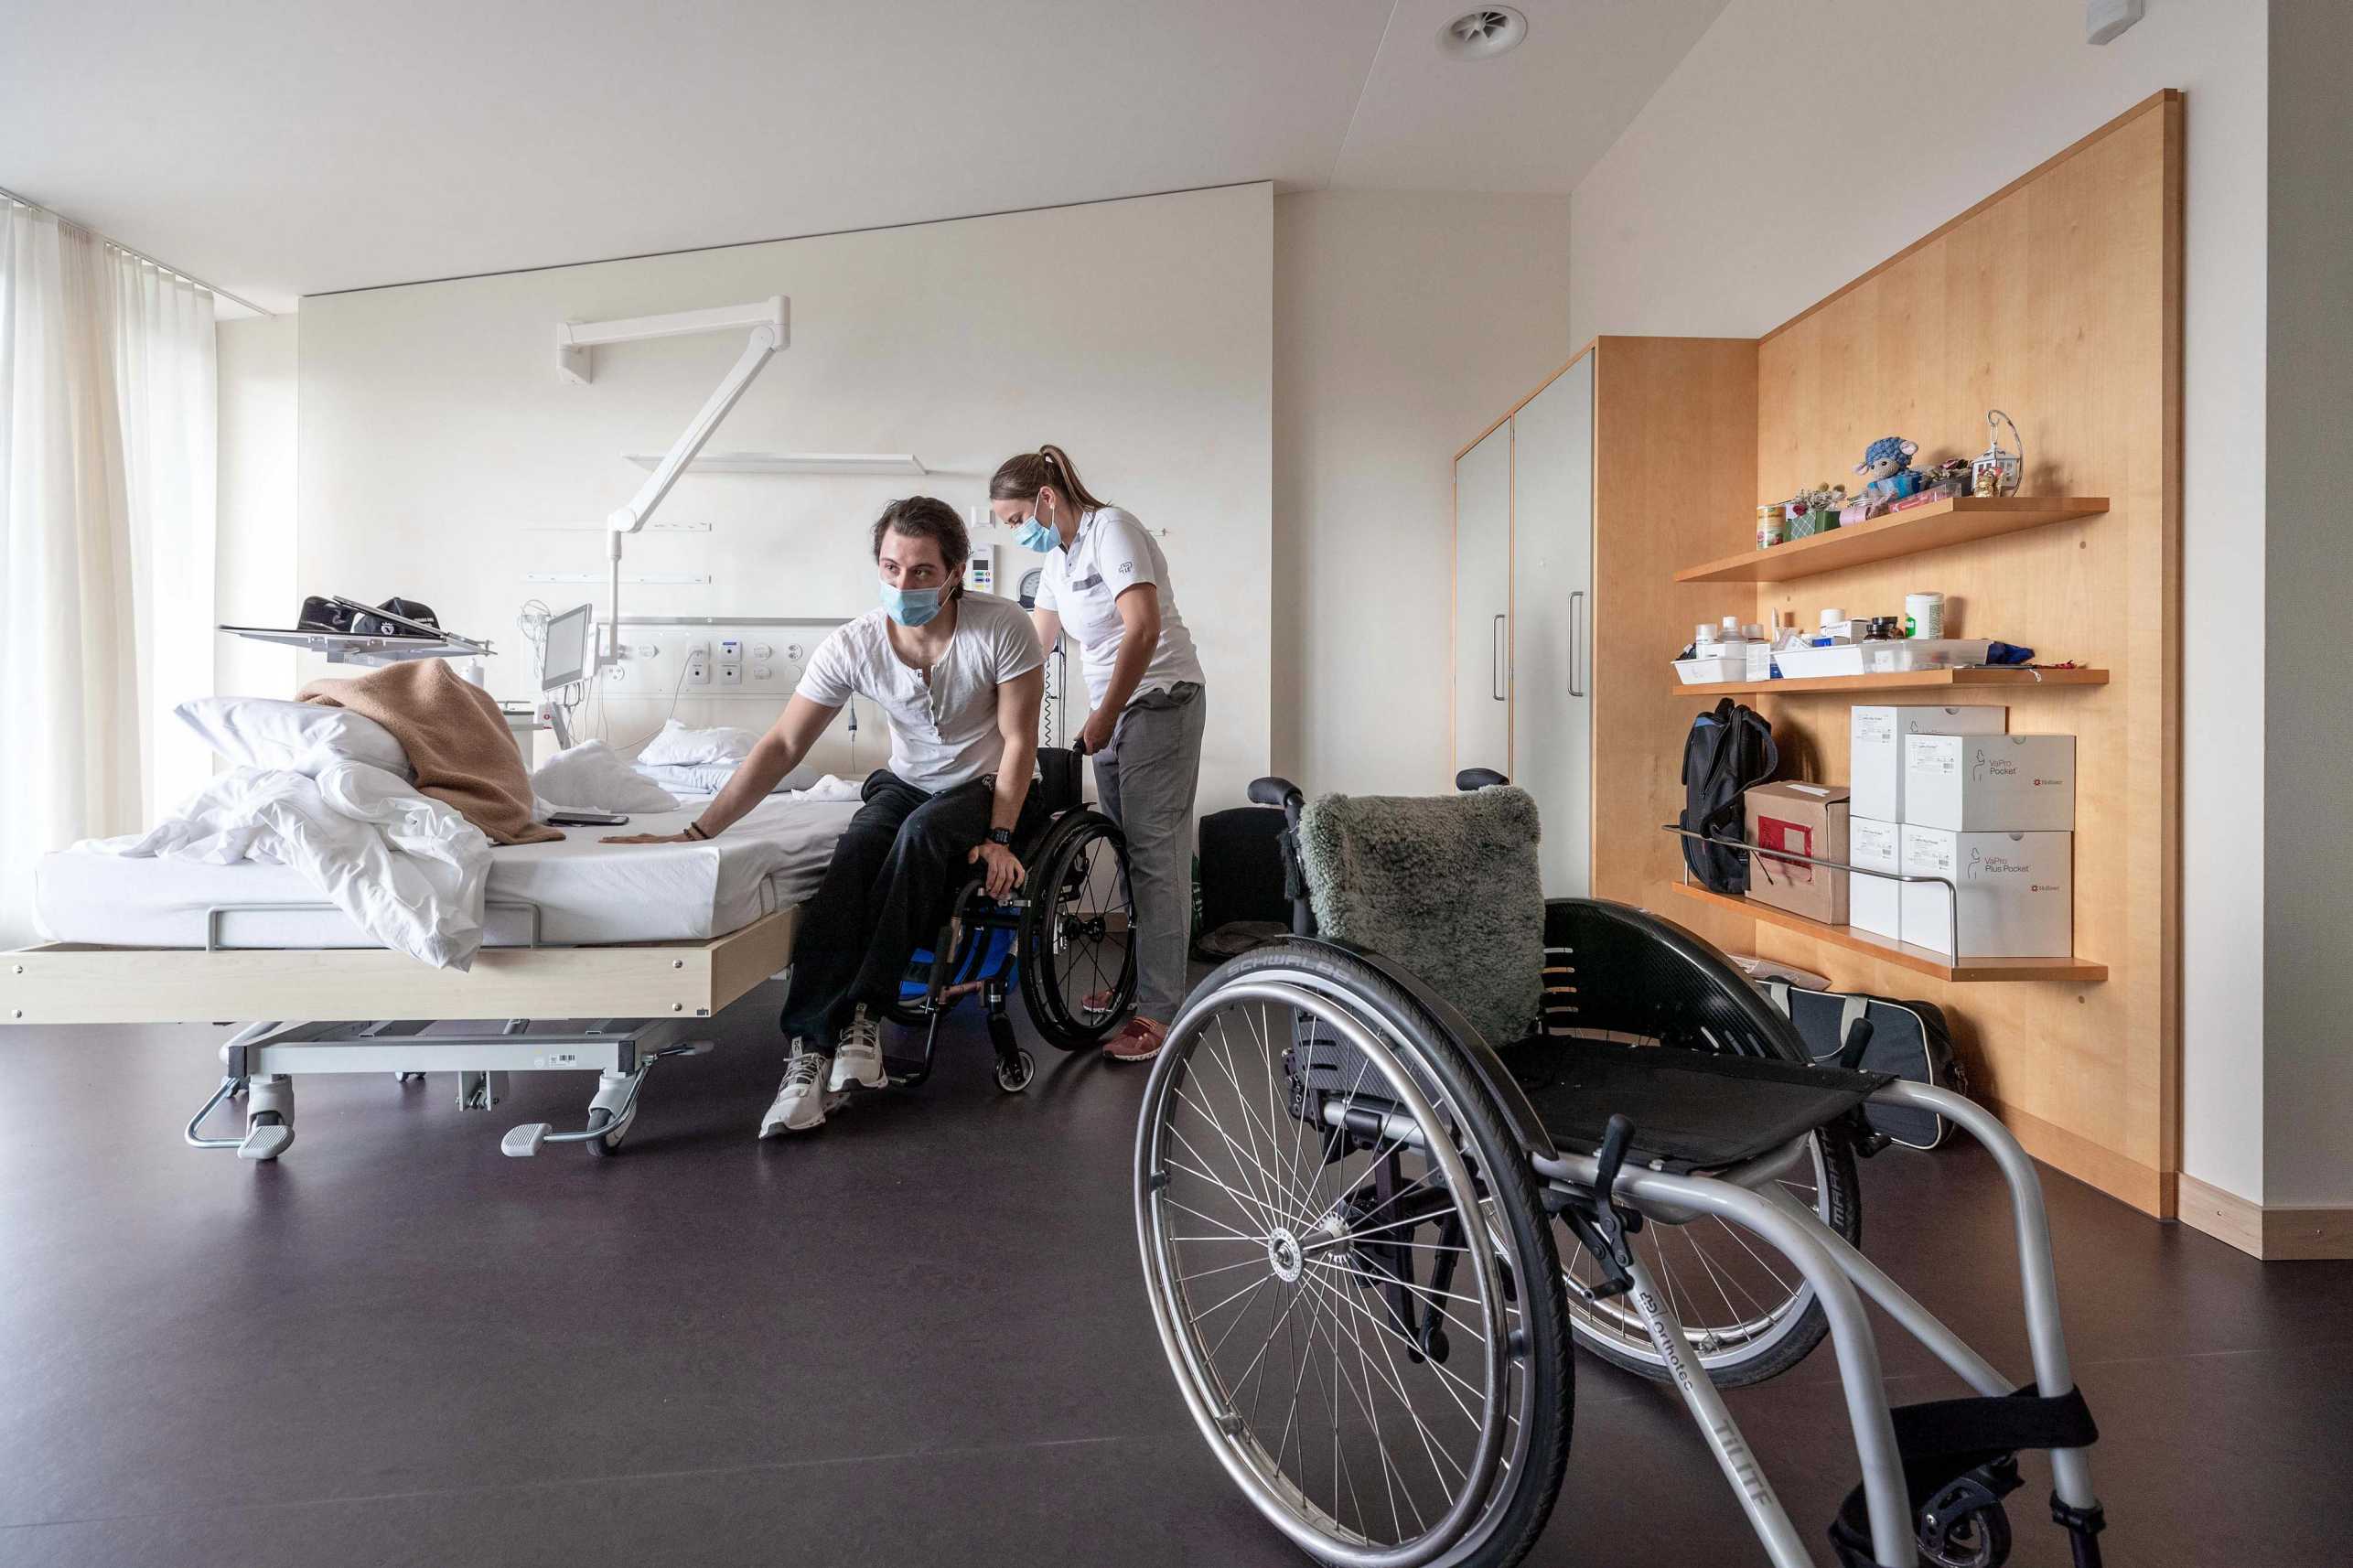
<point x="71" y="983"/>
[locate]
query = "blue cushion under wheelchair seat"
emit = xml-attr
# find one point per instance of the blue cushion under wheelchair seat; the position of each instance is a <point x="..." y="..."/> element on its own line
<point x="1447" y="885"/>
<point x="1691" y="1109"/>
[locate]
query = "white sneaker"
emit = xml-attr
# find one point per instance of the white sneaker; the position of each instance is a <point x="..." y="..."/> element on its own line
<point x="801" y="1102"/>
<point x="857" y="1058"/>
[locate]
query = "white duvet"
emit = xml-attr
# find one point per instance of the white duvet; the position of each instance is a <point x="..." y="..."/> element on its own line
<point x="409" y="870"/>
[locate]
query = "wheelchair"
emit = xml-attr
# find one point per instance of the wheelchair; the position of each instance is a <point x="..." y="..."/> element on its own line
<point x="1370" y="1238"/>
<point x="1061" y="938"/>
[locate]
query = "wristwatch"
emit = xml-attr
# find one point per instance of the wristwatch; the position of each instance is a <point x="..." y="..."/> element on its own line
<point x="1000" y="835"/>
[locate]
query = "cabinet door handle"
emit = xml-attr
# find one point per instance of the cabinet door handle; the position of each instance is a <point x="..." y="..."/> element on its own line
<point x="1576" y="643"/>
<point x="1495" y="665"/>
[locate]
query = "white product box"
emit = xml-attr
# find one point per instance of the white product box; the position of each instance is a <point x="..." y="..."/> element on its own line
<point x="1873" y="903"/>
<point x="1990" y="783"/>
<point x="1875" y="742"/>
<point x="2016" y="897"/>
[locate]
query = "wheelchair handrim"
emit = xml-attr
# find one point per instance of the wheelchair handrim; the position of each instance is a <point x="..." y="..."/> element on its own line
<point x="1237" y="1446"/>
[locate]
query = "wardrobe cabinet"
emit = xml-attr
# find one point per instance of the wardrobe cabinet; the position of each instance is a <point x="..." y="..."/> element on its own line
<point x="1572" y="515"/>
<point x="1524" y="614"/>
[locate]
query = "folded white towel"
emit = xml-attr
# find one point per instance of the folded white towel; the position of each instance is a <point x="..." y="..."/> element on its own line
<point x="592" y="776"/>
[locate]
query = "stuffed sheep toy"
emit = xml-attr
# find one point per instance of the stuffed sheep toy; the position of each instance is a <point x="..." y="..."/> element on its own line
<point x="1887" y="467"/>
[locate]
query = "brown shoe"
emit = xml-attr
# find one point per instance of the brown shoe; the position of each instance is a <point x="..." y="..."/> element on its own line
<point x="1138" y="1041"/>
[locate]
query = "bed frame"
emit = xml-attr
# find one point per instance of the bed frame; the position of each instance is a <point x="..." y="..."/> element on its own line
<point x="612" y="1010"/>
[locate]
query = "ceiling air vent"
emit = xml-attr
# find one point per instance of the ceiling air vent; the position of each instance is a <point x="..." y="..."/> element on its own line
<point x="1483" y="33"/>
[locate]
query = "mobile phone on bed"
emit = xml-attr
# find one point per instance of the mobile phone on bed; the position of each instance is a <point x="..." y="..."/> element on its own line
<point x="570" y="818"/>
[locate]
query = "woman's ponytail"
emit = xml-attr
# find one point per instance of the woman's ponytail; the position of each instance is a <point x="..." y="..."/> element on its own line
<point x="1020" y="478"/>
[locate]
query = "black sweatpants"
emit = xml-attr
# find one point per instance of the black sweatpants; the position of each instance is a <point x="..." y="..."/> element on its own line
<point x="890" y="888"/>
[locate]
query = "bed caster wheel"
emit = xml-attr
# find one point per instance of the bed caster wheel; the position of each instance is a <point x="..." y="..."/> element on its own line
<point x="609" y="1133"/>
<point x="406" y="1078"/>
<point x="1014" y="1076"/>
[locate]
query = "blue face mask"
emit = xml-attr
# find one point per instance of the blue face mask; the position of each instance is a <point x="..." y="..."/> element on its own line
<point x="1034" y="535"/>
<point x="911" y="606"/>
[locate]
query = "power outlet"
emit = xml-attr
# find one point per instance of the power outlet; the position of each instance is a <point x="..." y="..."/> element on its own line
<point x="698" y="664"/>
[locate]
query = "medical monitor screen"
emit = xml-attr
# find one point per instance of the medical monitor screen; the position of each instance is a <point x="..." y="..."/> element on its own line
<point x="566" y="659"/>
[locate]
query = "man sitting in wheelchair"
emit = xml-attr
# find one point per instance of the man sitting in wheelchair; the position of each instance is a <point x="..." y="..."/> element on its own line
<point x="959" y="676"/>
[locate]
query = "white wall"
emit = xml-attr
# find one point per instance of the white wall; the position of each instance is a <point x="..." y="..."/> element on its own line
<point x="1404" y="325"/>
<point x="2308" y="793"/>
<point x="435" y="433"/>
<point x="254" y="554"/>
<point x="1726" y="209"/>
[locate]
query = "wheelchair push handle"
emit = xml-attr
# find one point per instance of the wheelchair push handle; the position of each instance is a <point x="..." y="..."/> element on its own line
<point x="1276" y="791"/>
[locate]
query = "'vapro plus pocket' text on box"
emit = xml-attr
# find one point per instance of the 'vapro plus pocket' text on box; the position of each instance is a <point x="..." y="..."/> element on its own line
<point x="2015" y="893"/>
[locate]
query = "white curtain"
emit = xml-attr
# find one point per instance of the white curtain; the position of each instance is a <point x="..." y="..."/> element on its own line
<point x="107" y="441"/>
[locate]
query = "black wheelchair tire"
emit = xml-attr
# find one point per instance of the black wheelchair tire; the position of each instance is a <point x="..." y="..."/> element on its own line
<point x="1510" y="1529"/>
<point x="1056" y="1016"/>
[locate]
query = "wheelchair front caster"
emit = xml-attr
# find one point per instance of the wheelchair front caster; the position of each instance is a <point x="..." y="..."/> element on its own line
<point x="1014" y="1076"/>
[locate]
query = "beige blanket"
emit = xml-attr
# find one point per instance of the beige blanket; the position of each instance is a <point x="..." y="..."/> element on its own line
<point x="456" y="739"/>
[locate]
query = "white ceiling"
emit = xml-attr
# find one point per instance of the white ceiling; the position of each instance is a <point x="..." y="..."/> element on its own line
<point x="280" y="150"/>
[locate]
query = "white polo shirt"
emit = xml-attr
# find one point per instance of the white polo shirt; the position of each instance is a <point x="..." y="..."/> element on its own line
<point x="1109" y="555"/>
<point x="944" y="732"/>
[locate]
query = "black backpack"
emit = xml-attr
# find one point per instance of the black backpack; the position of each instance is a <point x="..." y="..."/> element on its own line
<point x="1728" y="750"/>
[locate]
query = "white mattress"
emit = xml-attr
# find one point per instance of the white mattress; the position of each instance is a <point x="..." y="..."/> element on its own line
<point x="586" y="892"/>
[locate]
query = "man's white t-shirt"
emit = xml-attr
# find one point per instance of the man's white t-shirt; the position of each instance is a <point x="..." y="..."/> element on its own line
<point x="1110" y="554"/>
<point x="944" y="732"/>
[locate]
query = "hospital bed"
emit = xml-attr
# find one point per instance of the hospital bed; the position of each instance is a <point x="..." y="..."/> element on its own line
<point x="596" y="957"/>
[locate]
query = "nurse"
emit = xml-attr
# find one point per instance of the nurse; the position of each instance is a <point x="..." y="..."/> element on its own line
<point x="1106" y="584"/>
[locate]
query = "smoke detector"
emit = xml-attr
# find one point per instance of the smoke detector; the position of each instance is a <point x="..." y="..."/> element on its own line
<point x="1483" y="33"/>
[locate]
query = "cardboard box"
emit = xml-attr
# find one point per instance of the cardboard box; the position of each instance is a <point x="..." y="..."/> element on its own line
<point x="2015" y="893"/>
<point x="1875" y="903"/>
<point x="1990" y="783"/>
<point x="1875" y="742"/>
<point x="1808" y="819"/>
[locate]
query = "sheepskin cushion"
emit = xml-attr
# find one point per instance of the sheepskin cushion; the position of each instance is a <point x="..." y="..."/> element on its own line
<point x="1447" y="885"/>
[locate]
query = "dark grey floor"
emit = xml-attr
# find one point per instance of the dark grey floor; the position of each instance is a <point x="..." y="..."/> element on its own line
<point x="918" y="1336"/>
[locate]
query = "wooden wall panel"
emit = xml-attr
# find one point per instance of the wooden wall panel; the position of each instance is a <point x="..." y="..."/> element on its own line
<point x="1674" y="421"/>
<point x="2057" y="300"/>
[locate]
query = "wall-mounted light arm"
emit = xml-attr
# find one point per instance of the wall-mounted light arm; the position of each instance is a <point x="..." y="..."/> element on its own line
<point x="770" y="324"/>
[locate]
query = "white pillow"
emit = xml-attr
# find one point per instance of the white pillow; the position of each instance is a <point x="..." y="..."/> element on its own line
<point x="592" y="776"/>
<point x="300" y="737"/>
<point x="676" y="743"/>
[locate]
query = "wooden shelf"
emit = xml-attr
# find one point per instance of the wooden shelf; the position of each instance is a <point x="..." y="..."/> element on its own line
<point x="1973" y="678"/>
<point x="1922" y="961"/>
<point x="1931" y="527"/>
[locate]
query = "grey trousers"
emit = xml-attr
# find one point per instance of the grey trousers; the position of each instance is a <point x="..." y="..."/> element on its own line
<point x="1145" y="781"/>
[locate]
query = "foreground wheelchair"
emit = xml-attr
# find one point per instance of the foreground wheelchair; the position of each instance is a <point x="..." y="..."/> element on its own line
<point x="1061" y="938"/>
<point x="1354" y="1213"/>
